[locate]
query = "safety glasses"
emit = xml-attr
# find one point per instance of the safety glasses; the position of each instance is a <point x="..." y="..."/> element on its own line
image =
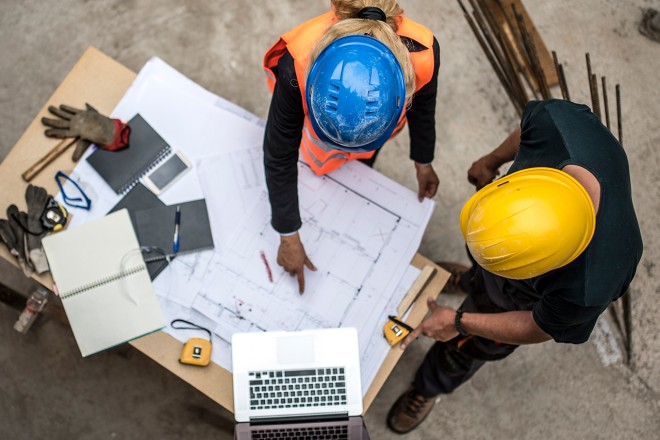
<point x="73" y="196"/>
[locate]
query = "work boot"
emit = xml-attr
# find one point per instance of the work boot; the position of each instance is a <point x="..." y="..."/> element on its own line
<point x="409" y="411"/>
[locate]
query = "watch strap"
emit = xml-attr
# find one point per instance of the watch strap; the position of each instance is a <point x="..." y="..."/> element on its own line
<point x="457" y="322"/>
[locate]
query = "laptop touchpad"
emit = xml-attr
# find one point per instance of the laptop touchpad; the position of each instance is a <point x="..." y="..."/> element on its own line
<point x="295" y="349"/>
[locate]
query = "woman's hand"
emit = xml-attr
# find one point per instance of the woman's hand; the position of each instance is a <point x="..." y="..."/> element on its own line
<point x="292" y="257"/>
<point x="427" y="181"/>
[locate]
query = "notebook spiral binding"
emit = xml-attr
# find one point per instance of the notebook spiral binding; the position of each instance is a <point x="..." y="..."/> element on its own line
<point x="136" y="178"/>
<point x="101" y="282"/>
<point x="165" y="257"/>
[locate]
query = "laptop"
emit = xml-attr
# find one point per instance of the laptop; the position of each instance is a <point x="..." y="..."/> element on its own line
<point x="298" y="385"/>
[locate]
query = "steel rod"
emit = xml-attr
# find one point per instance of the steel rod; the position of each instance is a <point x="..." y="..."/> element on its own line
<point x="627" y="325"/>
<point x="596" y="102"/>
<point x="556" y="62"/>
<point x="530" y="47"/>
<point x="508" y="54"/>
<point x="618" y="113"/>
<point x="497" y="54"/>
<point x="591" y="89"/>
<point x="562" y="82"/>
<point x="605" y="103"/>
<point x="493" y="64"/>
<point x="519" y="53"/>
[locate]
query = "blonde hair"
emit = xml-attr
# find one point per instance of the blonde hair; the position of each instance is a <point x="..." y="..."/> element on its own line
<point x="346" y="12"/>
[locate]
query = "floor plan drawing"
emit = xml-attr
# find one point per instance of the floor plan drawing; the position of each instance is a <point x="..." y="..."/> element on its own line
<point x="360" y="228"/>
<point x="359" y="243"/>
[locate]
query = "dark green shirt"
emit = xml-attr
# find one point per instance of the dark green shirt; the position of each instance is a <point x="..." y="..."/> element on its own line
<point x="566" y="302"/>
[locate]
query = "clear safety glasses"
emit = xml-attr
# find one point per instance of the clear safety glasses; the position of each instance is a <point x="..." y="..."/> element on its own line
<point x="72" y="195"/>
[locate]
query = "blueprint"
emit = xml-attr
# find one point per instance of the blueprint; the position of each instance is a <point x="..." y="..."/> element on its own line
<point x="360" y="229"/>
<point x="361" y="241"/>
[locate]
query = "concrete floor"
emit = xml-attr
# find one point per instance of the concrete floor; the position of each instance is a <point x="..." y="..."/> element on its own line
<point x="547" y="391"/>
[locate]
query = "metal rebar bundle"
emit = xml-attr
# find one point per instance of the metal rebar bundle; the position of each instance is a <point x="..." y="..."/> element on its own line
<point x="499" y="50"/>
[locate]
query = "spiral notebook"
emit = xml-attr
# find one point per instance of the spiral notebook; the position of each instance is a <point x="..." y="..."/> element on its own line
<point x="123" y="169"/>
<point x="103" y="282"/>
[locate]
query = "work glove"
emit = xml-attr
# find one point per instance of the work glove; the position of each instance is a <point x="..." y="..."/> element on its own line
<point x="89" y="126"/>
<point x="36" y="198"/>
<point x="14" y="238"/>
<point x="8" y="237"/>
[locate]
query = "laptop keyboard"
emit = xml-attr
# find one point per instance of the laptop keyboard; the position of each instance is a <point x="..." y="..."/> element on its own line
<point x="297" y="388"/>
<point x="318" y="432"/>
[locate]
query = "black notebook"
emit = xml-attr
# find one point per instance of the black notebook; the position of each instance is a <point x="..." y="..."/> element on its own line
<point x="122" y="169"/>
<point x="139" y="198"/>
<point x="155" y="227"/>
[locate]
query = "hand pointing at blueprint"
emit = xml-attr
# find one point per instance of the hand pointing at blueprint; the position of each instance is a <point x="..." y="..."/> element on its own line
<point x="292" y="257"/>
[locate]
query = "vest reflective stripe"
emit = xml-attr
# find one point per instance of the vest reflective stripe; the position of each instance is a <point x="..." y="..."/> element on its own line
<point x="300" y="41"/>
<point x="309" y="155"/>
<point x="321" y="158"/>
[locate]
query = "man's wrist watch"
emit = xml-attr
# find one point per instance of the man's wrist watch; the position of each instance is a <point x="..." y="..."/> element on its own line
<point x="457" y="323"/>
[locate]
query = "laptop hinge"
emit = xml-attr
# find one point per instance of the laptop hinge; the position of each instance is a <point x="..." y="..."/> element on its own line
<point x="307" y="418"/>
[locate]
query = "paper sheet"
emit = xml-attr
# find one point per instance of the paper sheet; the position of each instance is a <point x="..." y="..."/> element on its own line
<point x="360" y="229"/>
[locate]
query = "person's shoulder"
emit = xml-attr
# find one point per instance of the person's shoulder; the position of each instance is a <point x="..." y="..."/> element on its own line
<point x="555" y="107"/>
<point x="286" y="67"/>
<point x="414" y="35"/>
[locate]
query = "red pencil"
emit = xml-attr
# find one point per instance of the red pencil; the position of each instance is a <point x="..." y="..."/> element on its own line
<point x="270" y="273"/>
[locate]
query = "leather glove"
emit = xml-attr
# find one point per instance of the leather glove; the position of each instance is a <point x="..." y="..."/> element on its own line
<point x="89" y="126"/>
<point x="14" y="237"/>
<point x="36" y="198"/>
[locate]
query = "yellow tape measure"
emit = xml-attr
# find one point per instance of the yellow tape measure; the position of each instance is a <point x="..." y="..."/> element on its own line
<point x="396" y="330"/>
<point x="196" y="351"/>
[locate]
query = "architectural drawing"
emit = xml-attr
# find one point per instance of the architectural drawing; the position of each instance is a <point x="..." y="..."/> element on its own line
<point x="360" y="228"/>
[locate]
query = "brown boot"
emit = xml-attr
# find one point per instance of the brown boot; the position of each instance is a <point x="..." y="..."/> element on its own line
<point x="456" y="270"/>
<point x="409" y="411"/>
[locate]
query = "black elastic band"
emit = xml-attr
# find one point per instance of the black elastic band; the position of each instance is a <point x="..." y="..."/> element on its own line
<point x="372" y="13"/>
<point x="194" y="326"/>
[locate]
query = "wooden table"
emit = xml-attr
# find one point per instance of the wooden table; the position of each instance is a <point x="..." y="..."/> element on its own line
<point x="100" y="80"/>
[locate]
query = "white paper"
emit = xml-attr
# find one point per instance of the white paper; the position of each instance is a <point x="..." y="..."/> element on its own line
<point x="360" y="228"/>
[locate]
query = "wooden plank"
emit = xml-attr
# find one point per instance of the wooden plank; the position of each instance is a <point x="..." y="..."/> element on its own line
<point x="415" y="317"/>
<point x="507" y="23"/>
<point x="415" y="290"/>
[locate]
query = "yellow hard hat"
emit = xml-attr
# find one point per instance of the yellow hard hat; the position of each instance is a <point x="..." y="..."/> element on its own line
<point x="528" y="223"/>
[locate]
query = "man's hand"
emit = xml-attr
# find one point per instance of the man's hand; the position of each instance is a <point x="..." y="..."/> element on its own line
<point x="439" y="325"/>
<point x="427" y="181"/>
<point x="292" y="257"/>
<point x="483" y="171"/>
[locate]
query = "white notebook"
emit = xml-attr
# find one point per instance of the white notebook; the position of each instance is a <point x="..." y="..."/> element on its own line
<point x="103" y="282"/>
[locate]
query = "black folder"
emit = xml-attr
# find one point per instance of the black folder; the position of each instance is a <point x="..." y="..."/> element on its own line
<point x="135" y="200"/>
<point x="123" y="169"/>
<point x="155" y="227"/>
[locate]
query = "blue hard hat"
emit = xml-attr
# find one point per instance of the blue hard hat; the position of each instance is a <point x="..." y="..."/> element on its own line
<point x="355" y="94"/>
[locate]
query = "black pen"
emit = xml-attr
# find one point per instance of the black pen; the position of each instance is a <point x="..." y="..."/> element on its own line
<point x="177" y="221"/>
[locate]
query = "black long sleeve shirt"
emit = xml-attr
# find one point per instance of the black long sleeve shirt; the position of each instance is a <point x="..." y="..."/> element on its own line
<point x="284" y="131"/>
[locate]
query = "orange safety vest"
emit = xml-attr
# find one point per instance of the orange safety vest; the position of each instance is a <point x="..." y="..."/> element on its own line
<point x="300" y="41"/>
